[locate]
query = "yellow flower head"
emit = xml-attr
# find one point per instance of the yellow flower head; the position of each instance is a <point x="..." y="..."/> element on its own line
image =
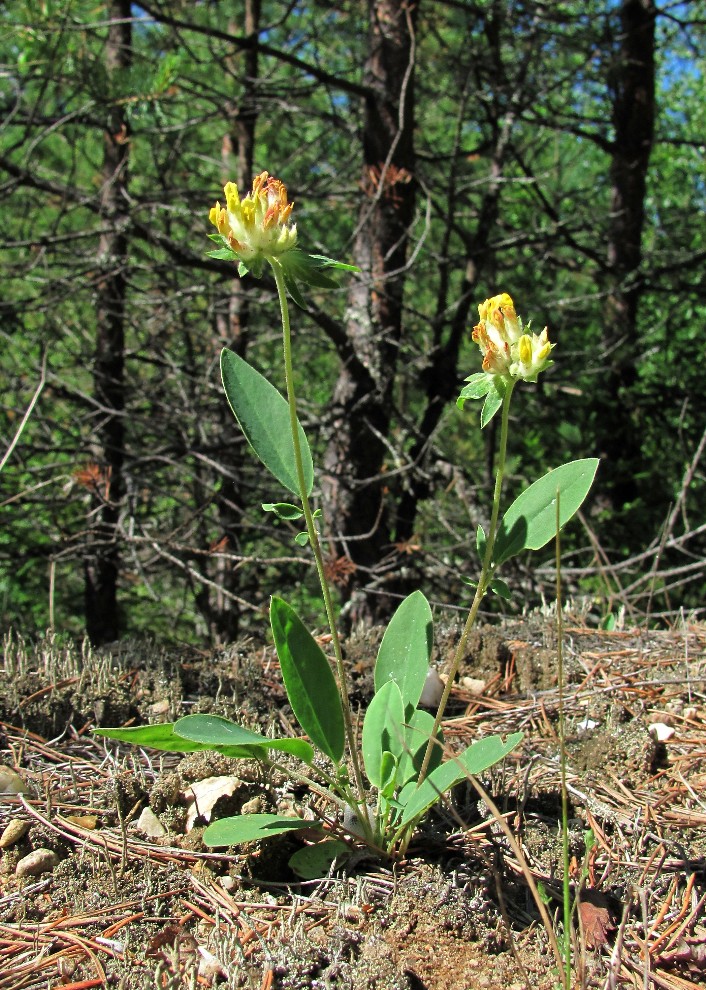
<point x="507" y="349"/>
<point x="257" y="226"/>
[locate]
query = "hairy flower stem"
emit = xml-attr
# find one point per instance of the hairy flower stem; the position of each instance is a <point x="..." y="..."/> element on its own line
<point x="483" y="582"/>
<point x="314" y="537"/>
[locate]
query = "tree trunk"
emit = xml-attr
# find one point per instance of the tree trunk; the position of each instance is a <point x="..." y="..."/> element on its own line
<point x="354" y="481"/>
<point x="238" y="150"/>
<point x="102" y="561"/>
<point x="633" y="85"/>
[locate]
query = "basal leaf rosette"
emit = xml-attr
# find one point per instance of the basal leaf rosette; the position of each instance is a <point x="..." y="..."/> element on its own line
<point x="511" y="353"/>
<point x="258" y="229"/>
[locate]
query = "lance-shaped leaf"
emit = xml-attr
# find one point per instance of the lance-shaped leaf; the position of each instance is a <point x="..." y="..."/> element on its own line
<point x="263" y="416"/>
<point x="405" y="650"/>
<point x="473" y="760"/>
<point x="163" y="737"/>
<point x="214" y="730"/>
<point x="530" y="522"/>
<point x="311" y="686"/>
<point x="417" y="735"/>
<point x="249" y="828"/>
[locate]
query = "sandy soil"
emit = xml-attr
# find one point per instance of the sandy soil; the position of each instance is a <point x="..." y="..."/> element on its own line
<point x="100" y="903"/>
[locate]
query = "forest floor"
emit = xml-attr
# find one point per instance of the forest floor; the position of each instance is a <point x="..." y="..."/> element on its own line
<point x="104" y="903"/>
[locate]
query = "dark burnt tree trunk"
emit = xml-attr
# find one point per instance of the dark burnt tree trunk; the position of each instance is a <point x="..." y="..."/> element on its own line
<point x="102" y="560"/>
<point x="356" y="513"/>
<point x="633" y="106"/>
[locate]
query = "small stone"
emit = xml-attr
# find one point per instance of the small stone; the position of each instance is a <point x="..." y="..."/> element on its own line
<point x="13" y="832"/>
<point x="474" y="685"/>
<point x="11" y="782"/>
<point x="660" y="731"/>
<point x="149" y="825"/>
<point x="37" y="862"/>
<point x="159" y="708"/>
<point x="228" y="883"/>
<point x="252" y="807"/>
<point x="203" y="795"/>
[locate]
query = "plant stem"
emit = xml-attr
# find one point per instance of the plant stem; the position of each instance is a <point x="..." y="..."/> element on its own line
<point x="562" y="759"/>
<point x="314" y="536"/>
<point x="482" y="585"/>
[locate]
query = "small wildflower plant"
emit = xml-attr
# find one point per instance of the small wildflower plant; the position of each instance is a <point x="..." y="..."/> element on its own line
<point x="382" y="780"/>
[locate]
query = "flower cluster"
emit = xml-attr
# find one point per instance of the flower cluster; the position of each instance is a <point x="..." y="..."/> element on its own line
<point x="256" y="227"/>
<point x="507" y="349"/>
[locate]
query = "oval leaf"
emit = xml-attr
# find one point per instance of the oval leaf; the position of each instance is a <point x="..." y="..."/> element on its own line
<point x="249" y="828"/>
<point x="314" y="862"/>
<point x="383" y="731"/>
<point x="263" y="416"/>
<point x="530" y="522"/>
<point x="405" y="650"/>
<point x="311" y="686"/>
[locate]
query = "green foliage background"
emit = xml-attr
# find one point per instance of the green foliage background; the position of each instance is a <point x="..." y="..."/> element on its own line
<point x="542" y="72"/>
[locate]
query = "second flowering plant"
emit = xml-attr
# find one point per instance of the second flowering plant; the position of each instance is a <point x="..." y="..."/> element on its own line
<point x="379" y="778"/>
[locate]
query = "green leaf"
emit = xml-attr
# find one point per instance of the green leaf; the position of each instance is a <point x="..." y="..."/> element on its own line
<point x="249" y="828"/>
<point x="284" y="510"/>
<point x="530" y="522"/>
<point x="311" y="686"/>
<point x="214" y="730"/>
<point x="493" y="401"/>
<point x="388" y="775"/>
<point x="416" y="736"/>
<point x="405" y="651"/>
<point x="163" y="737"/>
<point x="223" y="254"/>
<point x="383" y="731"/>
<point x="500" y="588"/>
<point x="263" y="416"/>
<point x="301" y="539"/>
<point x="474" y="760"/>
<point x="481" y="542"/>
<point x="478" y="386"/>
<point x="314" y="862"/>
